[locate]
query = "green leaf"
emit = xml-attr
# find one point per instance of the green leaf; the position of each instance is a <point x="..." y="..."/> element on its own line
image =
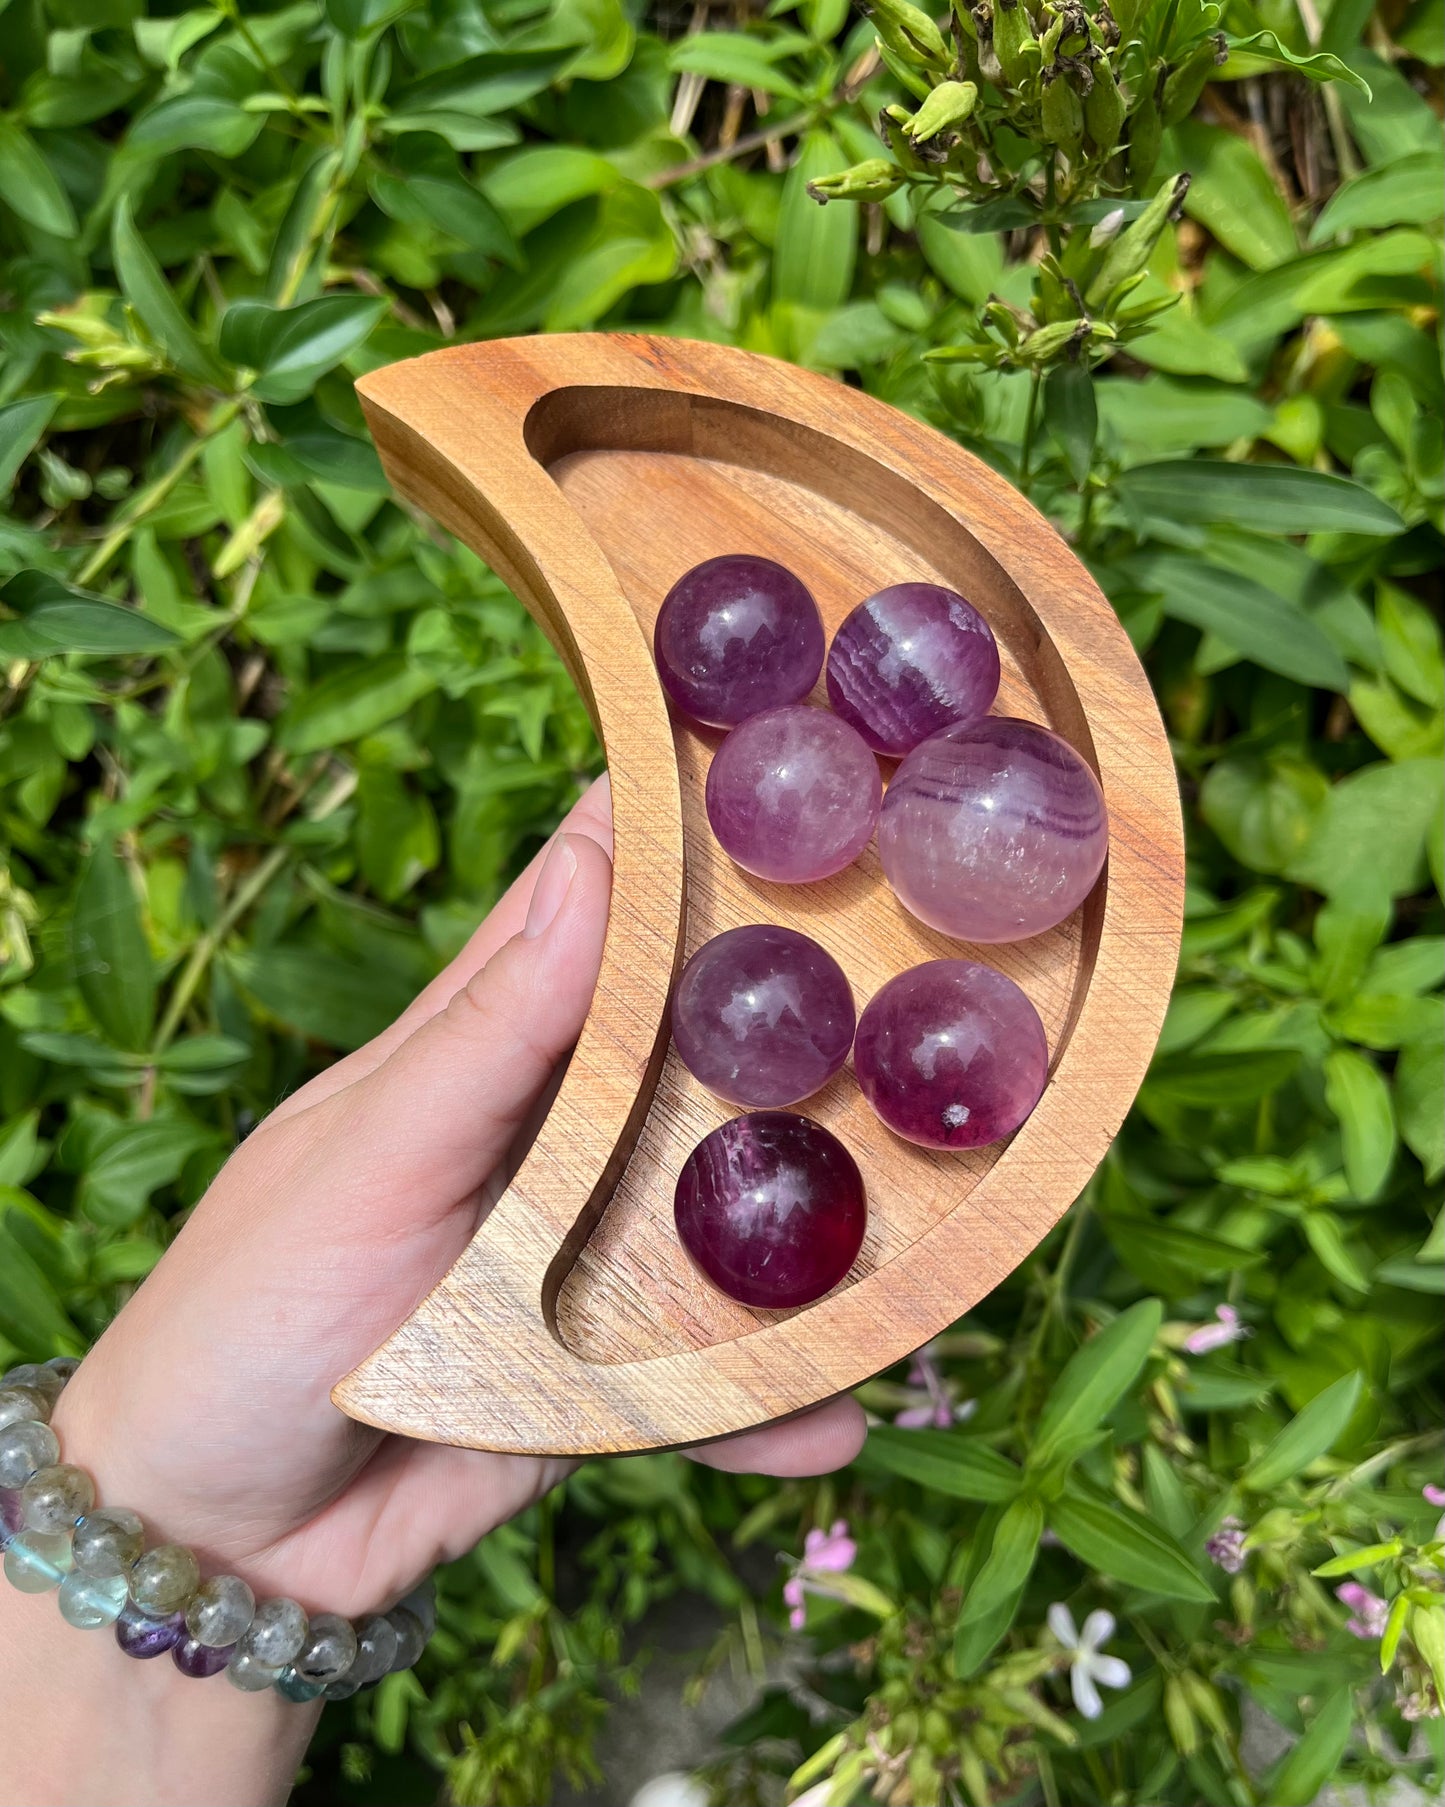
<point x="728" y="56"/>
<point x="1274" y="498"/>
<point x="1233" y="195"/>
<point x="969" y="263"/>
<point x="135" y="1161"/>
<point x="54" y="618"/>
<point x="1419" y="1087"/>
<point x="1395" y="120"/>
<point x="1263" y="50"/>
<point x="291" y="347"/>
<point x="1071" y="415"/>
<point x="1352" y="1561"/>
<point x="947" y="1462"/>
<point x="1403" y="193"/>
<point x="1264" y="808"/>
<point x="144" y="285"/>
<point x="112" y="961"/>
<point x="1210" y="1081"/>
<point x="1359" y="1095"/>
<point x="817" y="245"/>
<point x="1411" y="643"/>
<point x="351" y="702"/>
<point x="992" y="1597"/>
<point x="541" y="179"/>
<point x="28" y="185"/>
<point x="31" y="1314"/>
<point x="1120" y="1542"/>
<point x="490" y="83"/>
<point x="631" y="245"/>
<point x="1307" y="1436"/>
<point x="1303" y="1771"/>
<point x="198" y="121"/>
<point x="331" y="999"/>
<point x="1389" y="809"/>
<point x="1158" y="415"/>
<point x="1326" y="1236"/>
<point x="1257" y="622"/>
<point x="21" y="425"/>
<point x="1094" y="1380"/>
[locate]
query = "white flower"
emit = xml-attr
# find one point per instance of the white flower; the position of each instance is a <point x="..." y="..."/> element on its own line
<point x="671" y="1789"/>
<point x="1089" y="1669"/>
<point x="1107" y="229"/>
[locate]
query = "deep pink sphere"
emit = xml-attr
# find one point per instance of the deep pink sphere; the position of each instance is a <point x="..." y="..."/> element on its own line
<point x="771" y="1208"/>
<point x="793" y="794"/>
<point x="911" y="660"/>
<point x="736" y="635"/>
<point x="993" y="830"/>
<point x="951" y="1054"/>
<point x="762" y="1015"/>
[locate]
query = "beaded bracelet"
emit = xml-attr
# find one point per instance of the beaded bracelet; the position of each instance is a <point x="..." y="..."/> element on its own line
<point x="53" y="1536"/>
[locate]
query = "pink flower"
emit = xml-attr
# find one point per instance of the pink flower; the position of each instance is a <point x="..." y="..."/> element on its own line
<point x="937" y="1406"/>
<point x="1434" y="1496"/>
<point x="1219" y="1335"/>
<point x="1368" y="1612"/>
<point x="830" y="1552"/>
<point x="1226" y="1548"/>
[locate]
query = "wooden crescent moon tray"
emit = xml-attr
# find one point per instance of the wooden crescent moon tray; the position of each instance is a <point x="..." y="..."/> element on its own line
<point x="590" y="471"/>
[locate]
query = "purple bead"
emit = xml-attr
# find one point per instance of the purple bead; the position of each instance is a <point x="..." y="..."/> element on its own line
<point x="793" y="794"/>
<point x="736" y="635"/>
<point x="951" y="1054"/>
<point x="771" y="1207"/>
<point x="200" y="1660"/>
<point x="762" y="1015"/>
<point x="993" y="830"/>
<point x="911" y="660"/>
<point x="142" y="1637"/>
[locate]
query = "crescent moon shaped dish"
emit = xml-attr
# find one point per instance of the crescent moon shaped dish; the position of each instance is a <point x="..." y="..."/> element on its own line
<point x="590" y="471"/>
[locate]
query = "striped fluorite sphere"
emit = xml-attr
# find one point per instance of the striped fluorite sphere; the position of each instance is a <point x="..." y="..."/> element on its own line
<point x="993" y="830"/>
<point x="909" y="661"/>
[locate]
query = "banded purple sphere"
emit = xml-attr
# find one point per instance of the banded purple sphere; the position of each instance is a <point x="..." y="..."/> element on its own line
<point x="793" y="794"/>
<point x="200" y="1660"/>
<point x="762" y="1015"/>
<point x="951" y="1054"/>
<point x="993" y="830"/>
<point x="771" y="1208"/>
<point x="737" y="635"/>
<point x="144" y="1637"/>
<point x="909" y="661"/>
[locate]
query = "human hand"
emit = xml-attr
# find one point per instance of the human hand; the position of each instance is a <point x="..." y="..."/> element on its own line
<point x="206" y="1405"/>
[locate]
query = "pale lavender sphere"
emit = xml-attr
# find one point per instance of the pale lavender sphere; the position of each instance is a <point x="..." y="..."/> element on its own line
<point x="762" y="1015"/>
<point x="909" y="661"/>
<point x="951" y="1054"/>
<point x="737" y="635"/>
<point x="993" y="830"/>
<point x="793" y="794"/>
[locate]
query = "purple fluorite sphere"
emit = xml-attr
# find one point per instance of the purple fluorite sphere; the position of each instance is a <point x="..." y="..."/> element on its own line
<point x="734" y="636"/>
<point x="771" y="1207"/>
<point x="200" y="1660"/>
<point x="142" y="1637"/>
<point x="911" y="660"/>
<point x="951" y="1054"/>
<point x="793" y="794"/>
<point x="762" y="1015"/>
<point x="993" y="830"/>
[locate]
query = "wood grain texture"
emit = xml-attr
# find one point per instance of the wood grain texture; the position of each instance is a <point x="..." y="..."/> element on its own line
<point x="590" y="471"/>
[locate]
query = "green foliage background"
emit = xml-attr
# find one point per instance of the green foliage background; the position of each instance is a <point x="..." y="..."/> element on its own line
<point x="270" y="746"/>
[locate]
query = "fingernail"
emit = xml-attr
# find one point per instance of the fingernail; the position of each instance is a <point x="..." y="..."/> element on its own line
<point x="553" y="883"/>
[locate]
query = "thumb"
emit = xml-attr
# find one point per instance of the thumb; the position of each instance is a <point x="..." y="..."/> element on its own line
<point x="441" y="1111"/>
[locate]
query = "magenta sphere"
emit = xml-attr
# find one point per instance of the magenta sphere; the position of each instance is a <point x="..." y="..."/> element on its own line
<point x="762" y="1015"/>
<point x="993" y="830"/>
<point x="909" y="661"/>
<point x="793" y="794"/>
<point x="951" y="1054"/>
<point x="737" y="635"/>
<point x="771" y="1208"/>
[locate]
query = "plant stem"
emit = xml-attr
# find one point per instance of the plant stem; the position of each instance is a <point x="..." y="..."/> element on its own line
<point x="1030" y="427"/>
<point x="750" y="141"/>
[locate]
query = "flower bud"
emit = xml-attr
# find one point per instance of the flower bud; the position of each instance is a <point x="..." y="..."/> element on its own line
<point x="1061" y="117"/>
<point x="1012" y="28"/>
<point x="1183" y="1727"/>
<point x="1186" y="83"/>
<point x="873" y="180"/>
<point x="1145" y="131"/>
<point x="913" y="33"/>
<point x="1104" y="108"/>
<point x="1130" y="252"/>
<point x="1107" y="229"/>
<point x="949" y="104"/>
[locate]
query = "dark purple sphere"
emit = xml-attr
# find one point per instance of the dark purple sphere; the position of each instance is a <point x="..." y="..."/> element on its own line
<point x="993" y="830"/>
<point x="200" y="1660"/>
<point x="911" y="660"/>
<point x="762" y="1015"/>
<point x="771" y="1207"/>
<point x="951" y="1054"/>
<point x="737" y="635"/>
<point x="793" y="794"/>
<point x="142" y="1637"/>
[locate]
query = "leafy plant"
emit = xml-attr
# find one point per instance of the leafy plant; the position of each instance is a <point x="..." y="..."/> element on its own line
<point x="270" y="746"/>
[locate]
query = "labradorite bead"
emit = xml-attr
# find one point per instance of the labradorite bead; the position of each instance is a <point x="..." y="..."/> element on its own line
<point x="423" y="1602"/>
<point x="249" y="1673"/>
<point x="20" y="1404"/>
<point x="24" y="1447"/>
<point x="44" y="1379"/>
<point x="329" y="1650"/>
<point x="64" y="1366"/>
<point x="342" y="1690"/>
<point x="164" y="1579"/>
<point x="410" y="1637"/>
<point x="141" y="1636"/>
<point x="87" y="1602"/>
<point x="375" y="1649"/>
<point x="37" y="1561"/>
<point x="107" y="1543"/>
<point x="220" y="1611"/>
<point x="200" y="1660"/>
<point x="55" y="1497"/>
<point x="12" y="1519"/>
<point x="276" y="1633"/>
<point x="291" y="1686"/>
